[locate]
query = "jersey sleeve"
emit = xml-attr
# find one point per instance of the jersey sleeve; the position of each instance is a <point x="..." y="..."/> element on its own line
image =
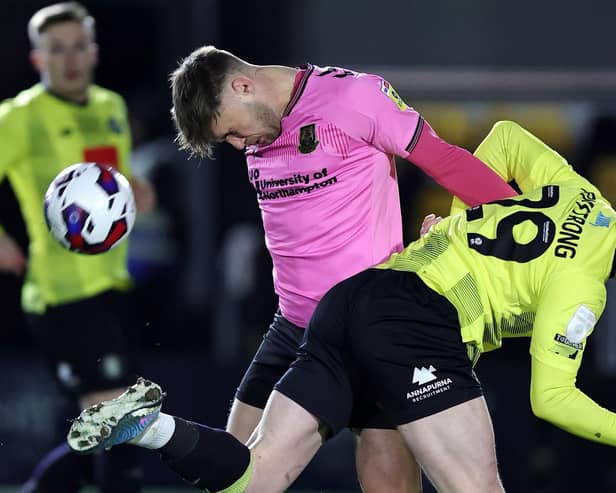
<point x="373" y="111"/>
<point x="124" y="165"/>
<point x="567" y="313"/>
<point x="386" y="122"/>
<point x="456" y="169"/>
<point x="12" y="138"/>
<point x="516" y="154"/>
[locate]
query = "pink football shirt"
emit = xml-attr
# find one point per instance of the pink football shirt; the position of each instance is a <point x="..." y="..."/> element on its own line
<point x="327" y="185"/>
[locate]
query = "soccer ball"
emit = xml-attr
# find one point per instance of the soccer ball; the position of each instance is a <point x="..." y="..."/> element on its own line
<point x="89" y="208"/>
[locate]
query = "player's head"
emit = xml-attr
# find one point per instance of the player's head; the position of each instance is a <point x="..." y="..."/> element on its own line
<point x="63" y="48"/>
<point x="219" y="97"/>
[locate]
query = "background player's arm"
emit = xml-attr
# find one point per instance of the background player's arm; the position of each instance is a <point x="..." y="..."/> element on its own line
<point x="554" y="395"/>
<point x="12" y="258"/>
<point x="145" y="196"/>
<point x="516" y="154"/>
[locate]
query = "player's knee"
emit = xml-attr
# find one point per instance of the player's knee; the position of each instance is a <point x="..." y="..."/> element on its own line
<point x="489" y="479"/>
<point x="387" y="467"/>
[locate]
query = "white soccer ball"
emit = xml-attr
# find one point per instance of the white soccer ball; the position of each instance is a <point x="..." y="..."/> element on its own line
<point x="89" y="208"/>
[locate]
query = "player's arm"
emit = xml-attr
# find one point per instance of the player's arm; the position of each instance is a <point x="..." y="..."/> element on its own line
<point x="566" y="316"/>
<point x="145" y="196"/>
<point x="12" y="258"/>
<point x="372" y="110"/>
<point x="516" y="154"/>
<point x="454" y="168"/>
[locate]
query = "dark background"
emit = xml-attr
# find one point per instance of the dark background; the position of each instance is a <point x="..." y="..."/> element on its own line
<point x="203" y="277"/>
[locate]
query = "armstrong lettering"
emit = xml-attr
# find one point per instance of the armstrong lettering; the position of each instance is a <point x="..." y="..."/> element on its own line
<point x="572" y="228"/>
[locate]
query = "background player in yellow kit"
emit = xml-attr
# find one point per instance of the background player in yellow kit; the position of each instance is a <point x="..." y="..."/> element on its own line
<point x="396" y="345"/>
<point x="76" y="305"/>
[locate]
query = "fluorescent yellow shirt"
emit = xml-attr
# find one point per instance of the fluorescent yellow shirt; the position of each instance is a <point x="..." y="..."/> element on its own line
<point x="40" y="134"/>
<point x="534" y="266"/>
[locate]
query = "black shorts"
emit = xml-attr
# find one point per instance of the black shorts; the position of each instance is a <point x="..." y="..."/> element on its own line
<point x="89" y="344"/>
<point x="277" y="351"/>
<point x="382" y="349"/>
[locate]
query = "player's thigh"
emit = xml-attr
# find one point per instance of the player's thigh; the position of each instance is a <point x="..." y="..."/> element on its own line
<point x="272" y="359"/>
<point x="455" y="447"/>
<point x="285" y="441"/>
<point x="385" y="463"/>
<point x="89" y="344"/>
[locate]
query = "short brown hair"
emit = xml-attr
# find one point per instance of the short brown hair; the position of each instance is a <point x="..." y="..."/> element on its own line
<point x="196" y="87"/>
<point x="55" y="14"/>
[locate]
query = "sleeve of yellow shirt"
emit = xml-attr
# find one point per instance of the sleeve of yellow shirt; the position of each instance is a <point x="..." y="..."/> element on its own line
<point x="12" y="139"/>
<point x="124" y="166"/>
<point x="563" y="322"/>
<point x="516" y="154"/>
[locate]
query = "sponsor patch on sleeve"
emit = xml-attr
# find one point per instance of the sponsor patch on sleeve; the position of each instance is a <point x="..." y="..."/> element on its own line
<point x="390" y="92"/>
<point x="580" y="325"/>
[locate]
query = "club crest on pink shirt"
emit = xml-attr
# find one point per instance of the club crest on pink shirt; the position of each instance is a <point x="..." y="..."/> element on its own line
<point x="307" y="139"/>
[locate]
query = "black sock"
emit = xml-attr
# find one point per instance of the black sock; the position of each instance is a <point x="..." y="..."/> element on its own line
<point x="208" y="458"/>
<point x="60" y="470"/>
<point x="119" y="470"/>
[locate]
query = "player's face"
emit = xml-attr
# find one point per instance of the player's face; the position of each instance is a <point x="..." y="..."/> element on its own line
<point x="245" y="123"/>
<point x="65" y="57"/>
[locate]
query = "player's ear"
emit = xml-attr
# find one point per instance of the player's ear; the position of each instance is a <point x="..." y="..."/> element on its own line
<point x="36" y="59"/>
<point x="242" y="85"/>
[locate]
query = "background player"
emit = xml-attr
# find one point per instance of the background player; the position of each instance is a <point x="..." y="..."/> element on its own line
<point x="320" y="146"/>
<point x="76" y="305"/>
<point x="396" y="344"/>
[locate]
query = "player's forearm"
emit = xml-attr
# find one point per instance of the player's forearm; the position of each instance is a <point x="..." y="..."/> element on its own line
<point x="555" y="398"/>
<point x="458" y="170"/>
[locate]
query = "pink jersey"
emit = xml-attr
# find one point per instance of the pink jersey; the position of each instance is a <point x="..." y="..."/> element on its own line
<point x="327" y="185"/>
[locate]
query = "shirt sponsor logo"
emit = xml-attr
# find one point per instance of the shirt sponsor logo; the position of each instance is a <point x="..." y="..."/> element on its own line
<point x="563" y="340"/>
<point x="428" y="384"/>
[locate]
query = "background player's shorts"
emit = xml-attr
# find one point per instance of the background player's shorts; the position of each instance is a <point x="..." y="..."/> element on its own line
<point x="89" y="344"/>
<point x="382" y="349"/>
<point x="277" y="351"/>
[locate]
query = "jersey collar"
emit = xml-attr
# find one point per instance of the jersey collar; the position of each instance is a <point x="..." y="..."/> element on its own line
<point x="304" y="72"/>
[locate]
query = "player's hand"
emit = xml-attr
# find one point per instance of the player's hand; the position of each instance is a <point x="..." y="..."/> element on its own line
<point x="145" y="196"/>
<point x="429" y="221"/>
<point x="11" y="257"/>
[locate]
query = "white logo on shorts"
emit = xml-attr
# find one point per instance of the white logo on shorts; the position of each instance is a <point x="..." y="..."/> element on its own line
<point x="423" y="375"/>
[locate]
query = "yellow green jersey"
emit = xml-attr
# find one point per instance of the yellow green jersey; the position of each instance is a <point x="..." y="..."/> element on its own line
<point x="533" y="265"/>
<point x="40" y="134"/>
